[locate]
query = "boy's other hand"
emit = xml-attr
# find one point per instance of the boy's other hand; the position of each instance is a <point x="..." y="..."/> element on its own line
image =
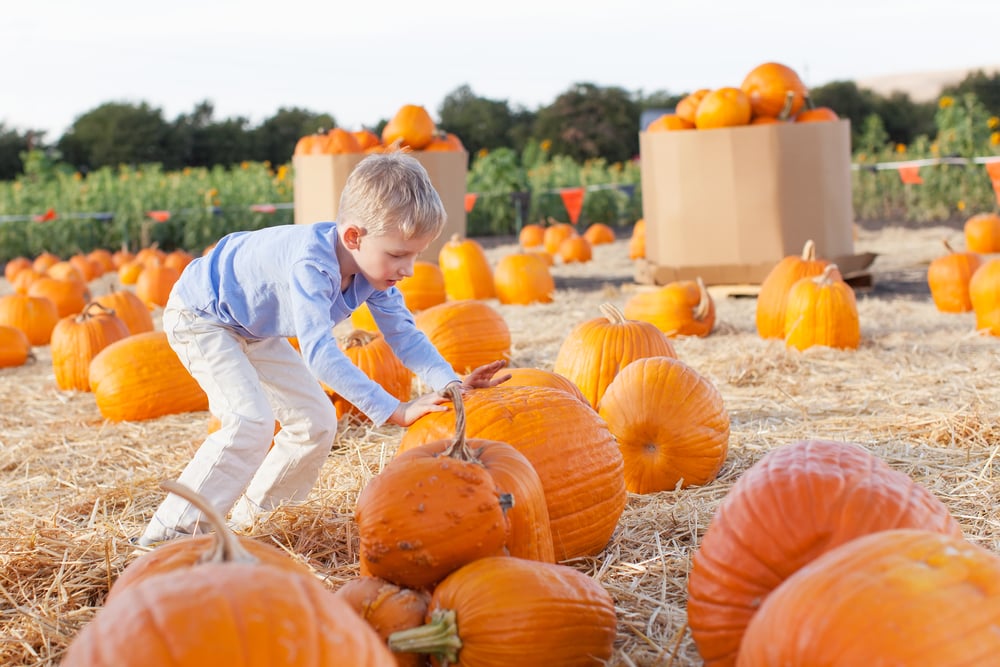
<point x="485" y="376"/>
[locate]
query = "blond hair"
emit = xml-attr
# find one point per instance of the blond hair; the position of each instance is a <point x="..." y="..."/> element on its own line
<point x="392" y="191"/>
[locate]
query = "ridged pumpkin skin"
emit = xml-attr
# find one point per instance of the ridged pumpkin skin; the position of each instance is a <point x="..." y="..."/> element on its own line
<point x="670" y="424"/>
<point x="468" y="333"/>
<point x="795" y="504"/>
<point x="511" y="611"/>
<point x="537" y="377"/>
<point x="523" y="278"/>
<point x="948" y="278"/>
<point x="898" y="597"/>
<point x="984" y="294"/>
<point x="387" y="608"/>
<point x="594" y="351"/>
<point x="140" y="377"/>
<point x="370" y="352"/>
<point x="822" y="311"/>
<point x="129" y="308"/>
<point x="679" y="308"/>
<point x="772" y="299"/>
<point x="77" y="339"/>
<point x="568" y="444"/>
<point x="14" y="346"/>
<point x="467" y="272"/>
<point x="36" y="316"/>
<point x="425" y="288"/>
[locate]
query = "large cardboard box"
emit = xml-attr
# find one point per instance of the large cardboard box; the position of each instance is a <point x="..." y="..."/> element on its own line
<point x="319" y="180"/>
<point x="728" y="204"/>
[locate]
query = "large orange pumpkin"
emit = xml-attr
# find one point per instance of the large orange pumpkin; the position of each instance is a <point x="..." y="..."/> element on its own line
<point x="796" y="503"/>
<point x="36" y="316"/>
<point x="896" y="597"/>
<point x="679" y="308"/>
<point x="467" y="333"/>
<point x="822" y="310"/>
<point x="76" y="340"/>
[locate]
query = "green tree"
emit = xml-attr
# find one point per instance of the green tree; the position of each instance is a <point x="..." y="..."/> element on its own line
<point x="205" y="142"/>
<point x="589" y="121"/>
<point x="274" y="140"/>
<point x="119" y="133"/>
<point x="985" y="87"/>
<point x="479" y="122"/>
<point x="12" y="144"/>
<point x="904" y="119"/>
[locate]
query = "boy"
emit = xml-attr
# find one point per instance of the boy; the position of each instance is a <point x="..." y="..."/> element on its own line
<point x="230" y="314"/>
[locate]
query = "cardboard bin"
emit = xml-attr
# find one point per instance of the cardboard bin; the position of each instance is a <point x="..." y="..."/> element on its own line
<point x="728" y="204"/>
<point x="319" y="180"/>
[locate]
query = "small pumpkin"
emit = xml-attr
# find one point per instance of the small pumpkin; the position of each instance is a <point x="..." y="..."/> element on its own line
<point x="14" y="265"/>
<point x="70" y="296"/>
<point x="523" y="278"/>
<point x="822" y="310"/>
<point x="669" y="121"/>
<point x="575" y="248"/>
<point x="554" y="235"/>
<point x="767" y="86"/>
<point x="339" y="141"/>
<point x="679" y="308"/>
<point x="637" y="240"/>
<point x="531" y="235"/>
<point x="948" y="279"/>
<point x="599" y="234"/>
<point x="410" y="126"/>
<point x="154" y="283"/>
<point x="512" y="611"/>
<point x="723" y="107"/>
<point x="772" y="299"/>
<point x="77" y="339"/>
<point x="15" y="348"/>
<point x="387" y="608"/>
<point x="687" y="108"/>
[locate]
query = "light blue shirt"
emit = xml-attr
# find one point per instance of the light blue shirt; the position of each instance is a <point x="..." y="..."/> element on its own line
<point x="285" y="281"/>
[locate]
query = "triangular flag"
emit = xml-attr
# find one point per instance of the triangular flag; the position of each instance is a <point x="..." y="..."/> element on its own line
<point x="573" y="201"/>
<point x="910" y="175"/>
<point x="48" y="216"/>
<point x="470" y="201"/>
<point x="993" y="169"/>
<point x="158" y="216"/>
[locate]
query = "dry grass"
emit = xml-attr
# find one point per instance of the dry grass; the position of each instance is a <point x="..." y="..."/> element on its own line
<point x="920" y="393"/>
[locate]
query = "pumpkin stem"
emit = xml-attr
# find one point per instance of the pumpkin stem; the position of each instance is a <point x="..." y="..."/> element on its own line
<point x="227" y="548"/>
<point x="613" y="313"/>
<point x="700" y="311"/>
<point x="809" y="251"/>
<point x="786" y="109"/>
<point x="85" y="314"/>
<point x="459" y="447"/>
<point x="439" y="638"/>
<point x="947" y="246"/>
<point x="826" y="278"/>
<point x="357" y="338"/>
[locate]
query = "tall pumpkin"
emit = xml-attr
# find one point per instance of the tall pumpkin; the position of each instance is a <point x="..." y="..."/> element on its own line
<point x="231" y="610"/>
<point x="897" y="597"/>
<point x="670" y="424"/>
<point x="772" y="298"/>
<point x="428" y="513"/>
<point x="370" y="352"/>
<point x="595" y="350"/>
<point x="679" y="308"/>
<point x="568" y="444"/>
<point x="77" y="339"/>
<point x="467" y="272"/>
<point x="140" y="377"/>
<point x="511" y="611"/>
<point x="822" y="311"/>
<point x="467" y="333"/>
<point x="948" y="279"/>
<point x="795" y="504"/>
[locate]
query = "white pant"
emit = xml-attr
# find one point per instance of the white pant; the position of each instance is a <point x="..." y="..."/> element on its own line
<point x="249" y="384"/>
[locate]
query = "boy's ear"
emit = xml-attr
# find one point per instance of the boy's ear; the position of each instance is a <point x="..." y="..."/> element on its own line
<point x="352" y="236"/>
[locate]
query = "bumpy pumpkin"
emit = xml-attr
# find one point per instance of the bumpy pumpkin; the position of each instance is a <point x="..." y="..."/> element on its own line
<point x="680" y="308"/>
<point x="523" y="278"/>
<point x="370" y="352"/>
<point x="232" y="610"/>
<point x="767" y="86"/>
<point x="822" y="311"/>
<point x="140" y="377"/>
<point x="984" y="293"/>
<point x="948" y="279"/>
<point x="411" y="126"/>
<point x="511" y="611"/>
<point x="423" y="289"/>
<point x="467" y="333"/>
<point x="795" y="504"/>
<point x="428" y="513"/>
<point x="77" y="339"/>
<point x="568" y="444"/>
<point x="15" y="348"/>
<point x="896" y="597"/>
<point x="388" y="608"/>
<point x="36" y="316"/>
<point x="594" y="351"/>
<point x="772" y="298"/>
<point x="467" y="272"/>
<point x="670" y="424"/>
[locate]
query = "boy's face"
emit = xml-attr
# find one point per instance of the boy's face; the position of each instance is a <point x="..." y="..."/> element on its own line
<point x="386" y="259"/>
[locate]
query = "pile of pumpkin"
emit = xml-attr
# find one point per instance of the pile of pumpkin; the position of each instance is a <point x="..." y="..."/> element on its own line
<point x="411" y="128"/>
<point x="770" y="93"/>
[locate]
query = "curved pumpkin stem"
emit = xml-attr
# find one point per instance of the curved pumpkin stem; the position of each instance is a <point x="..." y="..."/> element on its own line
<point x="438" y="638"/>
<point x="613" y="313"/>
<point x="85" y="314"/>
<point x="809" y="251"/>
<point x="358" y="338"/>
<point x="459" y="447"/>
<point x="700" y="311"/>
<point x="786" y="110"/>
<point x="947" y="246"/>
<point x="825" y="277"/>
<point x="227" y="548"/>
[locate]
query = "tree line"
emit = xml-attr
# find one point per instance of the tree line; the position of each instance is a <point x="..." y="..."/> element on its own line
<point x="583" y="122"/>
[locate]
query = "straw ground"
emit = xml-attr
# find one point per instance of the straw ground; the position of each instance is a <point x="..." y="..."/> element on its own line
<point x="921" y="392"/>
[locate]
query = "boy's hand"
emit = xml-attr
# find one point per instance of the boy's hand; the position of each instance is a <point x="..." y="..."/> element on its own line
<point x="411" y="411"/>
<point x="483" y="377"/>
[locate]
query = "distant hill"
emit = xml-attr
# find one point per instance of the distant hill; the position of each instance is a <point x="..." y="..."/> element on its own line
<point x="921" y="86"/>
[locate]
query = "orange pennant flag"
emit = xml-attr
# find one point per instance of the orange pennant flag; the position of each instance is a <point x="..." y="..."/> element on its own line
<point x="470" y="201"/>
<point x="910" y="175"/>
<point x="158" y="216"/>
<point x="48" y="216"/>
<point x="573" y="201"/>
<point x="993" y="169"/>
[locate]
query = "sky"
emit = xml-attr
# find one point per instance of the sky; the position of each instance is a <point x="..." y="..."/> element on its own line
<point x="361" y="61"/>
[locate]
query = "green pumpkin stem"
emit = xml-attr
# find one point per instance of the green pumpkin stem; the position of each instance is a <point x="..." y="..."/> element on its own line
<point x="438" y="638"/>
